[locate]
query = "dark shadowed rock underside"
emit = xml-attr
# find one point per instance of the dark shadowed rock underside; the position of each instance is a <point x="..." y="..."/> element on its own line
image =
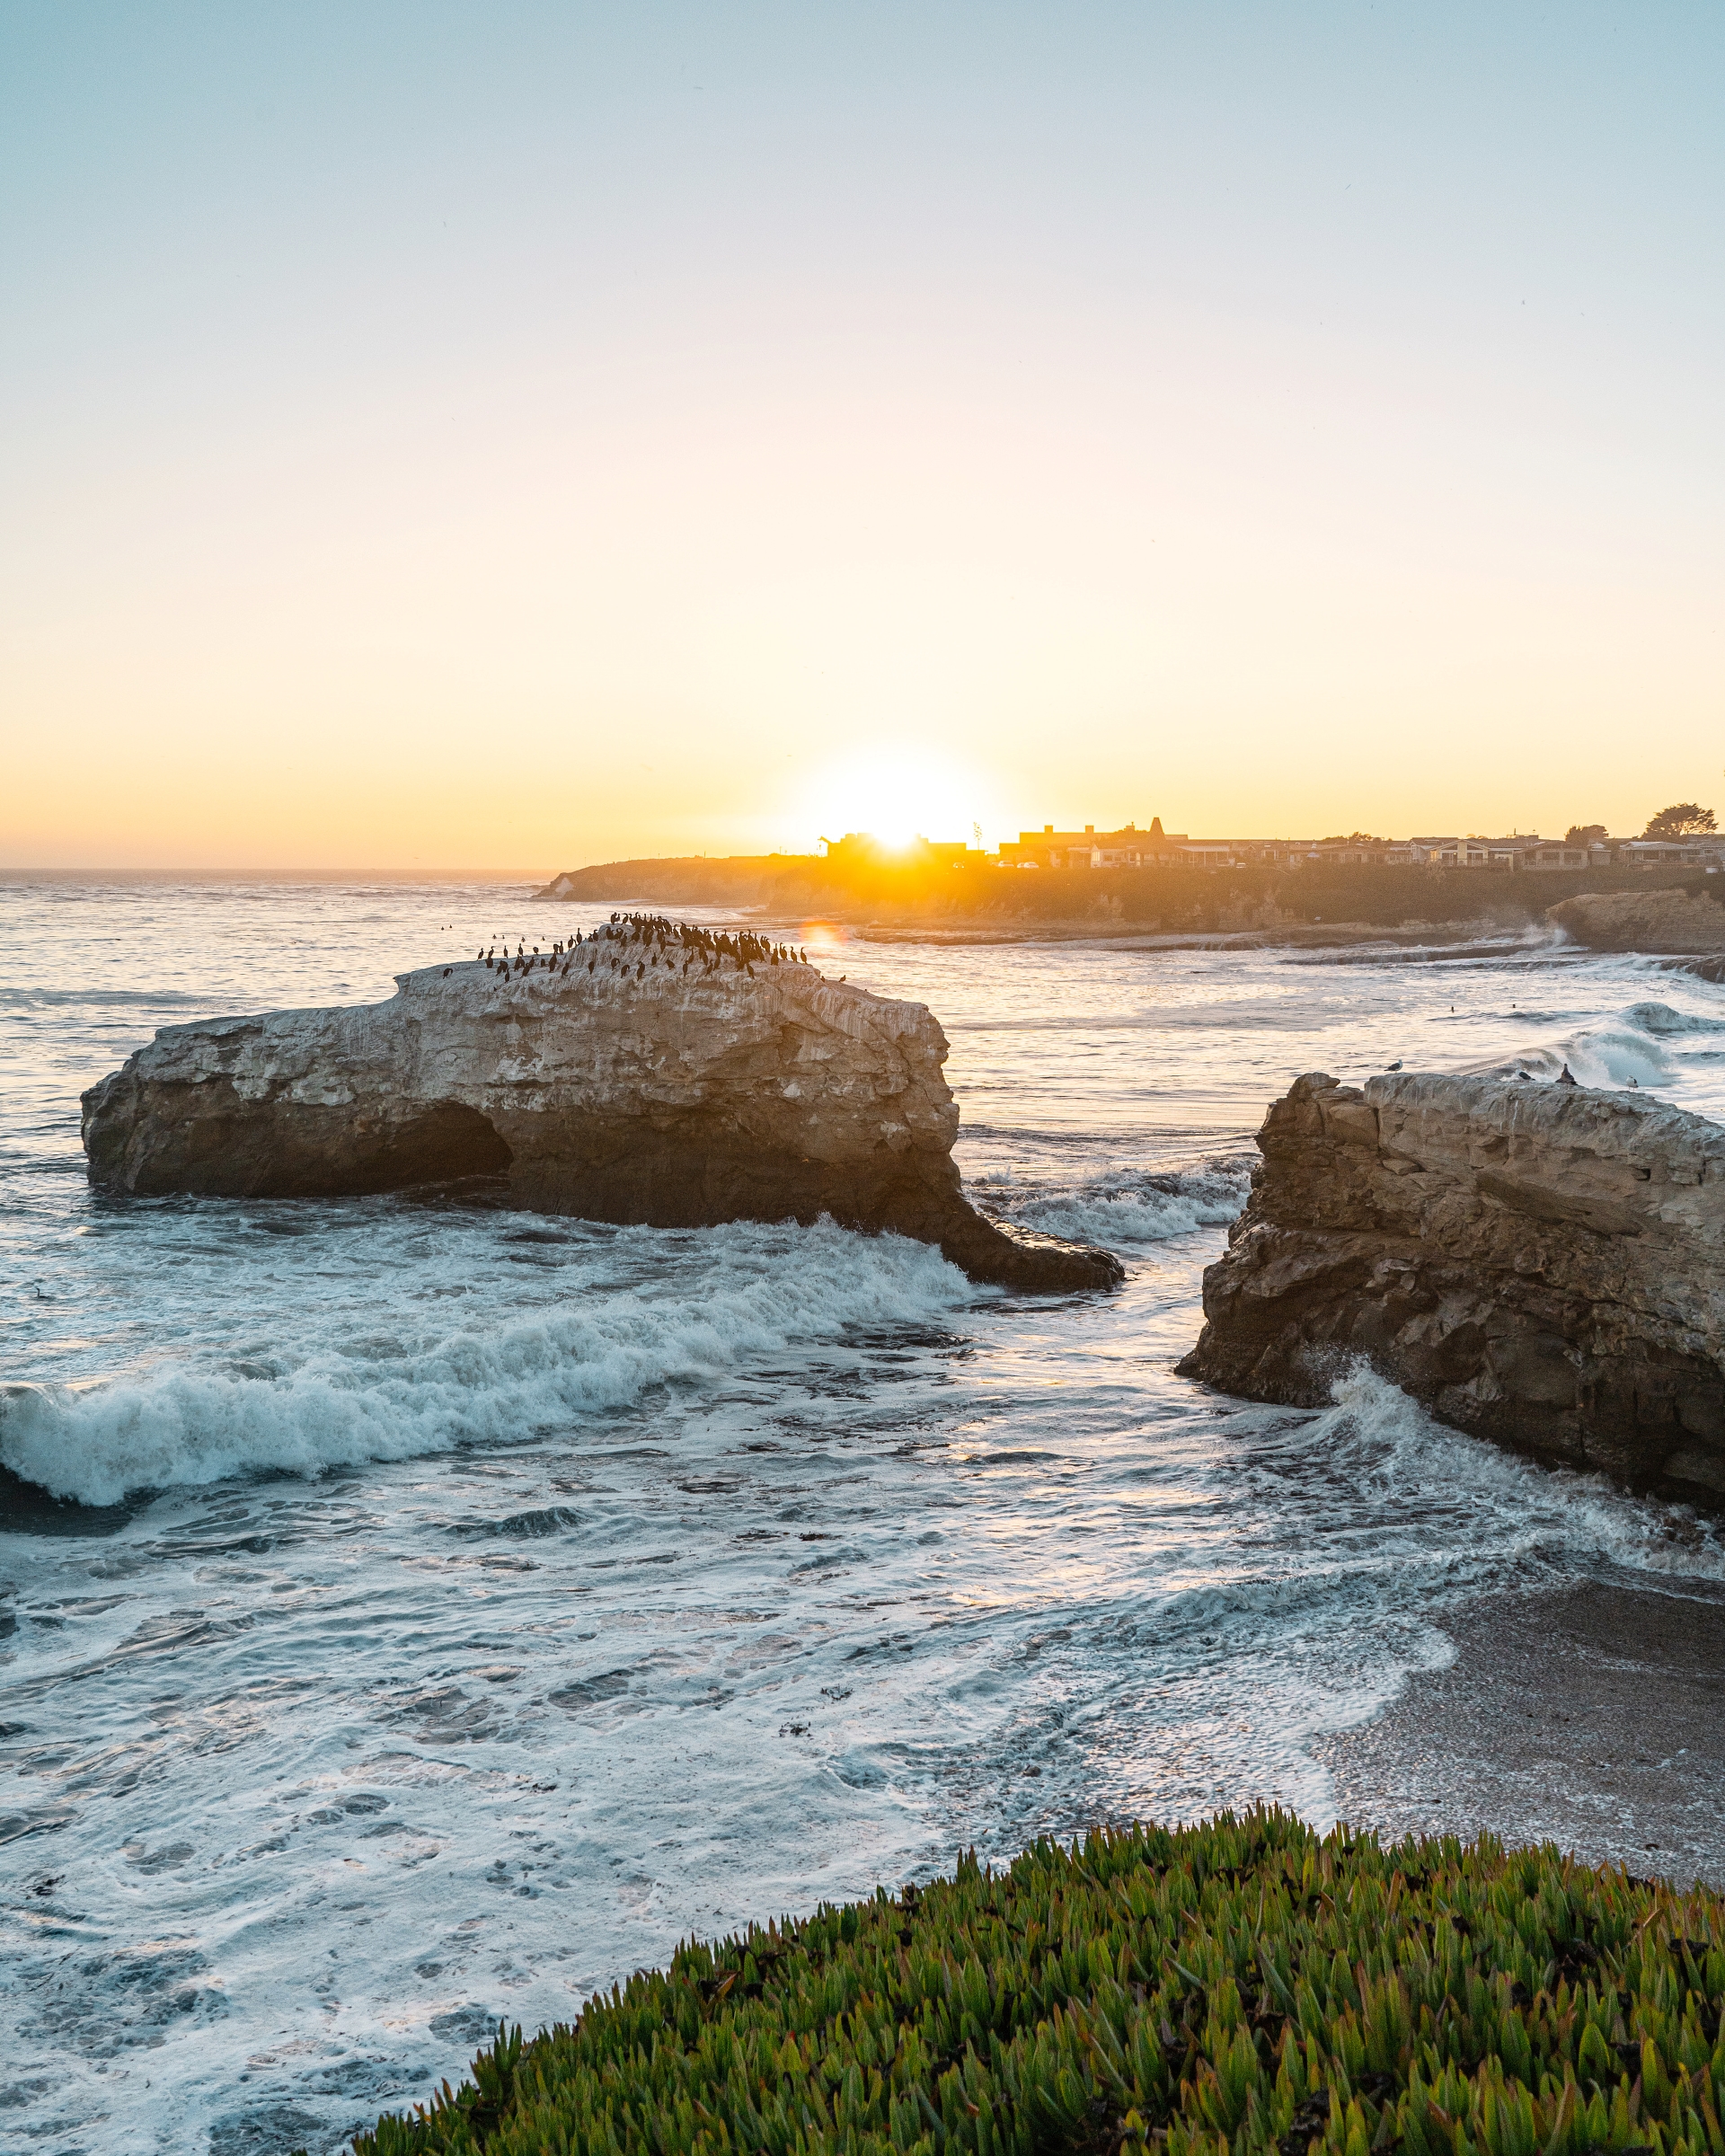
<point x="640" y="1079"/>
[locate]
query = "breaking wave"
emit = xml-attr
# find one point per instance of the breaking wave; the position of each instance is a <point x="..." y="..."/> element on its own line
<point x="1660" y="1018"/>
<point x="1648" y="1045"/>
<point x="1128" y="1208"/>
<point x="740" y="1295"/>
<point x="1380" y="1442"/>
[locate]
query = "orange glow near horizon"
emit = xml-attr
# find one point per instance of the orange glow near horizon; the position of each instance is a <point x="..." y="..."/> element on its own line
<point x="553" y="452"/>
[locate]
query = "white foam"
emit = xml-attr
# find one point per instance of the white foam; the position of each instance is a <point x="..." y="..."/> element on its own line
<point x="1377" y="1436"/>
<point x="740" y="1293"/>
<point x="1128" y="1218"/>
<point x="1126" y="1207"/>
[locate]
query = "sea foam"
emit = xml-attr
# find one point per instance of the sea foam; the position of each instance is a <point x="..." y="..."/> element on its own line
<point x="735" y="1295"/>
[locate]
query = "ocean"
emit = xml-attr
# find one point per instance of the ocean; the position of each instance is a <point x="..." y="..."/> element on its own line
<point x="418" y="1613"/>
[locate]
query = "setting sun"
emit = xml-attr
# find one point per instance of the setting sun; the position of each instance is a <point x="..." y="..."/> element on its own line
<point x="898" y="795"/>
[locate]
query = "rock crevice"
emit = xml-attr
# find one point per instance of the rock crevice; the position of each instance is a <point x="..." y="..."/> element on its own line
<point x="633" y="1079"/>
<point x="1541" y="1265"/>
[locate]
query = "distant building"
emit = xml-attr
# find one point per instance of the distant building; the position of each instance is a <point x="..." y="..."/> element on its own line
<point x="1126" y="848"/>
<point x="1519" y="853"/>
<point x="1521" y="850"/>
<point x="1706" y="848"/>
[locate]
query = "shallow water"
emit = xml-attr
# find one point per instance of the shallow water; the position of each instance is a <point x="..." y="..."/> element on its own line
<point x="517" y="1595"/>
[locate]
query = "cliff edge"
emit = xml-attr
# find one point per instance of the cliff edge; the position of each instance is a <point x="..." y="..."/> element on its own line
<point x="652" y="1073"/>
<point x="1538" y="1264"/>
<point x="1675" y="922"/>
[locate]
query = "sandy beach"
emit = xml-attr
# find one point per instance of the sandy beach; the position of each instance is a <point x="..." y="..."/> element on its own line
<point x="1592" y="1717"/>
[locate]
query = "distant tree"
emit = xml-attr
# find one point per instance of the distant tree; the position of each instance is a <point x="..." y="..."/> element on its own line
<point x="1583" y="835"/>
<point x="1682" y="819"/>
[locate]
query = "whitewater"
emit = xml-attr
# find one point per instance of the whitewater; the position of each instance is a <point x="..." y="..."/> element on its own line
<point x="413" y="1614"/>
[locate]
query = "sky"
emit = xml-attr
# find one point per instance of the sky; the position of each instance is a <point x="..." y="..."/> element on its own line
<point x="497" y="438"/>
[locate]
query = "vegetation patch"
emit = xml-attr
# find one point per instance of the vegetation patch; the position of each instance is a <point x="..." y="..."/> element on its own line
<point x="1239" y="1987"/>
<point x="1170" y="896"/>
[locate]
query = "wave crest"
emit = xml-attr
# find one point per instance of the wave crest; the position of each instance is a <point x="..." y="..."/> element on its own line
<point x="346" y="1401"/>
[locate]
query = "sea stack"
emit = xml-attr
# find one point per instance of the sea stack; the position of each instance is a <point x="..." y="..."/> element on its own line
<point x="700" y="1093"/>
<point x="1538" y="1265"/>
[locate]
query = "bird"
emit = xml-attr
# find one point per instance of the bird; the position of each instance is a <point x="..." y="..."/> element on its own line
<point x="1396" y="1066"/>
<point x="1566" y="1077"/>
<point x="1636" y="1084"/>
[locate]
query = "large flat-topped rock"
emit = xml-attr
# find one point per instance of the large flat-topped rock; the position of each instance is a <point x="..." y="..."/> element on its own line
<point x="653" y="1073"/>
<point x="1542" y="1264"/>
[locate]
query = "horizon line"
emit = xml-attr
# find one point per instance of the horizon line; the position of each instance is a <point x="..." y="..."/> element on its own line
<point x="273" y="875"/>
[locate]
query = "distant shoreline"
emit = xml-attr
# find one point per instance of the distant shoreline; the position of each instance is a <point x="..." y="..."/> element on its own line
<point x="1302" y="935"/>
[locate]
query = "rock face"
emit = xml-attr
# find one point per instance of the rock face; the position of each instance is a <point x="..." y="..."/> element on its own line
<point x="1539" y="1263"/>
<point x="638" y="1078"/>
<point x="1652" y="921"/>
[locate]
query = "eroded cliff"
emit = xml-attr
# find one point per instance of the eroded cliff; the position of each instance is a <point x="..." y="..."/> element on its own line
<point x="1539" y="1263"/>
<point x="650" y="1074"/>
<point x="1675" y="922"/>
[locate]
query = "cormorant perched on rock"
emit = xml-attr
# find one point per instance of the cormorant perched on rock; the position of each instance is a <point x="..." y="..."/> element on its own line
<point x="1566" y="1077"/>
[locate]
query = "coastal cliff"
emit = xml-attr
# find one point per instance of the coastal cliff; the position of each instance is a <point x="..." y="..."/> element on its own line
<point x="1675" y="922"/>
<point x="650" y="1074"/>
<point x="1538" y="1264"/>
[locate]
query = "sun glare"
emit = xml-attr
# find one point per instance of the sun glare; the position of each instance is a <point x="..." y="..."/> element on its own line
<point x="897" y="795"/>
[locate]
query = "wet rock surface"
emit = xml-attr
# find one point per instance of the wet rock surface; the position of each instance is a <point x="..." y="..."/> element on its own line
<point x="640" y="1076"/>
<point x="1541" y="1265"/>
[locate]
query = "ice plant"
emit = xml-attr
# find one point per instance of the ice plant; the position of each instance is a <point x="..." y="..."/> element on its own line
<point x="1215" y="1991"/>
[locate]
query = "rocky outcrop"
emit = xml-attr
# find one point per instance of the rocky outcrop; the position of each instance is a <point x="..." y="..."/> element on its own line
<point x="649" y="1075"/>
<point x="1673" y="922"/>
<point x="1543" y="1265"/>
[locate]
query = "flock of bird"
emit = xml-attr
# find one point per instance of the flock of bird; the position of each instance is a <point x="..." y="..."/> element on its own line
<point x="633" y="945"/>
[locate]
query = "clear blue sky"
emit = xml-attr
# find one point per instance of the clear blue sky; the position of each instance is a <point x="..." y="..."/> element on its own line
<point x="735" y="417"/>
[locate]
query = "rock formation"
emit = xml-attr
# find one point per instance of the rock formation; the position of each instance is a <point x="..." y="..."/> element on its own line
<point x="1675" y="921"/>
<point x="648" y="1075"/>
<point x="1539" y="1263"/>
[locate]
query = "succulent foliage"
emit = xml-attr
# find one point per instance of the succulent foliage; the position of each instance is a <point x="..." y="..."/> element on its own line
<point x="1228" y="1990"/>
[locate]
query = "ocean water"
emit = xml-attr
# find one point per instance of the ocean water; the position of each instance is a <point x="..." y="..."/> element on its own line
<point x="417" y="1614"/>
